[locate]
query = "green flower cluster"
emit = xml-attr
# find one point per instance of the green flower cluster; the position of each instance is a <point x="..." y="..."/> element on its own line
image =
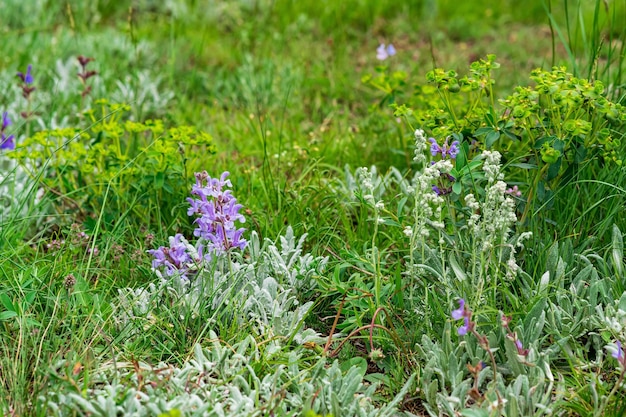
<point x="565" y="118"/>
<point x="106" y="151"/>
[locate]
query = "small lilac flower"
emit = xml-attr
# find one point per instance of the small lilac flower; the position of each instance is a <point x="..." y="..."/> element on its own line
<point x="459" y="312"/>
<point x="445" y="150"/>
<point x="382" y="52"/>
<point x="619" y="353"/>
<point x="434" y="146"/>
<point x="465" y="314"/>
<point x="26" y="78"/>
<point x="6" y="142"/>
<point x="520" y="348"/>
<point x="441" y="191"/>
<point x="174" y="258"/>
<point x="454" y="149"/>
<point x="465" y="328"/>
<point x="514" y="191"/>
<point x="6" y="122"/>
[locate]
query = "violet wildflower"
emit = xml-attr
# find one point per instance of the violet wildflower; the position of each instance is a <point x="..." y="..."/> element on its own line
<point x="27" y="81"/>
<point x="520" y="347"/>
<point x="383" y="52"/>
<point x="514" y="191"/>
<point x="619" y="354"/>
<point x="28" y="77"/>
<point x="459" y="312"/>
<point x="442" y="191"/>
<point x="174" y="258"/>
<point x="444" y="150"/>
<point x="218" y="211"/>
<point x="462" y="331"/>
<point x="6" y="142"/>
<point x="465" y="314"/>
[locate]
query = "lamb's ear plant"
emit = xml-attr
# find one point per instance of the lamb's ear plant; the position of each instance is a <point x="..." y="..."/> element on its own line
<point x="222" y="380"/>
<point x="258" y="292"/>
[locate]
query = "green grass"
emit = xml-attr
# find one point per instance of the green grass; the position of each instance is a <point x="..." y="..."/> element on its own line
<point x="277" y="85"/>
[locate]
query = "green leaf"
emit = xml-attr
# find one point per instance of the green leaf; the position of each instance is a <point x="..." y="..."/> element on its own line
<point x="553" y="170"/>
<point x="458" y="270"/>
<point x="356" y="362"/>
<point x="491" y="138"/>
<point x="523" y="165"/>
<point x="159" y="180"/>
<point x="30" y="297"/>
<point x="457" y="187"/>
<point x="475" y="412"/>
<point x="535" y="312"/>
<point x="6" y="315"/>
<point x="580" y="155"/>
<point x="7" y="303"/>
<point x="622" y="302"/>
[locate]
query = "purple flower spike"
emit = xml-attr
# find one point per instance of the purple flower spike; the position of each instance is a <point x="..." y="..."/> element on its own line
<point x="28" y="77"/>
<point x="459" y="312"/>
<point x="218" y="211"/>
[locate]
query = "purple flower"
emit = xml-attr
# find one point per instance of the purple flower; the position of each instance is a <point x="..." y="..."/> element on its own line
<point x="459" y="312"/>
<point x="6" y="122"/>
<point x="454" y="149"/>
<point x="619" y="353"/>
<point x="217" y="210"/>
<point x="465" y="314"/>
<point x="465" y="328"/>
<point x="382" y="52"/>
<point x="26" y="78"/>
<point x="434" y="146"/>
<point x="175" y="258"/>
<point x="6" y="142"/>
<point x="445" y="150"/>
<point x="514" y="191"/>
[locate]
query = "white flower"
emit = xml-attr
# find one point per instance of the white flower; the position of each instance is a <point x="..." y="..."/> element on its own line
<point x="420" y="147"/>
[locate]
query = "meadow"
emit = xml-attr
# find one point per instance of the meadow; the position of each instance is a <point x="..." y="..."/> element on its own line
<point x="312" y="208"/>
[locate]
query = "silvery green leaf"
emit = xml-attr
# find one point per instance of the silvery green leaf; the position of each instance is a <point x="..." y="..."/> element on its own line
<point x="544" y="282"/>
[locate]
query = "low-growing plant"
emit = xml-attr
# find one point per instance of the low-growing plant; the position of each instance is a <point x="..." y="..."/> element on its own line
<point x="547" y="134"/>
<point x="110" y="164"/>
